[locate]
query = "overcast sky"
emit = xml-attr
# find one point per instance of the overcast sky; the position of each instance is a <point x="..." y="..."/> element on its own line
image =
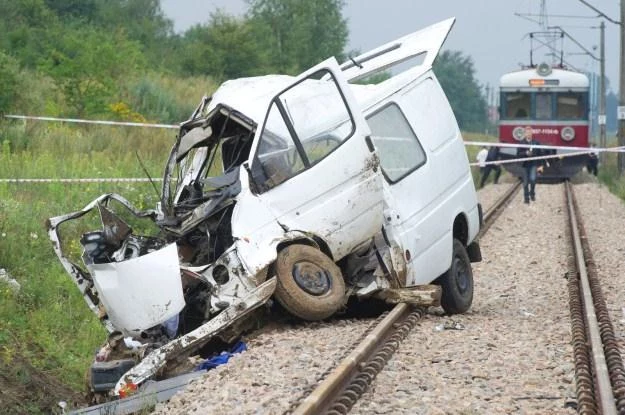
<point x="487" y="30"/>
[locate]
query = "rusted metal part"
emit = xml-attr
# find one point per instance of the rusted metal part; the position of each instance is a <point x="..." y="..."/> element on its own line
<point x="339" y="391"/>
<point x="611" y="348"/>
<point x="603" y="394"/>
<point x="420" y="295"/>
<point x="493" y="212"/>
<point x="584" y="384"/>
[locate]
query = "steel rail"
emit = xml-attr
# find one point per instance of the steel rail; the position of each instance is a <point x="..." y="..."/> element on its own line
<point x="611" y="347"/>
<point x="331" y="388"/>
<point x="603" y="392"/>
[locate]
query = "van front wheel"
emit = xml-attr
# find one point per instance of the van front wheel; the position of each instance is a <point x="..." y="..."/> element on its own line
<point x="310" y="285"/>
<point x="457" y="282"/>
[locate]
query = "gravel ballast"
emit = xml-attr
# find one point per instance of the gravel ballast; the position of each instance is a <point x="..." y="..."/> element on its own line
<point x="278" y="367"/>
<point x="510" y="354"/>
<point x="513" y="355"/>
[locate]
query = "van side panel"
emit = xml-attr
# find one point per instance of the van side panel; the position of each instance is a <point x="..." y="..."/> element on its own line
<point x="427" y="201"/>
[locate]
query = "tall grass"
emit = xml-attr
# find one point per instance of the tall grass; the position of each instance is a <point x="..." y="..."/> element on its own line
<point x="608" y="172"/>
<point x="168" y="99"/>
<point x="47" y="321"/>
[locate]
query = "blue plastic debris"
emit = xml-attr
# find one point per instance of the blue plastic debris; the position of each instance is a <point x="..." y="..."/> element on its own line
<point x="222" y="358"/>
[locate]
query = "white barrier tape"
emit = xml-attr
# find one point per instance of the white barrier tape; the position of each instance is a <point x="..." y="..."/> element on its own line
<point x="522" y="159"/>
<point x="546" y="147"/>
<point x="76" y="120"/>
<point x="92" y="180"/>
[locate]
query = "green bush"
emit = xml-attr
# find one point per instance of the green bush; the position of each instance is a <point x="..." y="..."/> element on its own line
<point x="156" y="103"/>
<point x="9" y="82"/>
<point x="47" y="322"/>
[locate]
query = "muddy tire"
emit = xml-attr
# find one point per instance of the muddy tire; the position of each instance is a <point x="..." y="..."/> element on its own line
<point x="457" y="282"/>
<point x="310" y="285"/>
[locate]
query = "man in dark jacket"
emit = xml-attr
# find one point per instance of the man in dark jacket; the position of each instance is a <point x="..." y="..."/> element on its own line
<point x="493" y="155"/>
<point x="530" y="167"/>
<point x="593" y="161"/>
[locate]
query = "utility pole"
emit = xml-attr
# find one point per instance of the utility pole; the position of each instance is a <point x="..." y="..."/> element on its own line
<point x="621" y="104"/>
<point x="487" y="109"/>
<point x="621" y="108"/>
<point x="602" y="117"/>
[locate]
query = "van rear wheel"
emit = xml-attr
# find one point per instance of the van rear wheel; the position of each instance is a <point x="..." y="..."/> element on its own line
<point x="457" y="282"/>
<point x="310" y="285"/>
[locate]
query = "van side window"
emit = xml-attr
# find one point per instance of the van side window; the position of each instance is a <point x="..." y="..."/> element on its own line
<point x="319" y="115"/>
<point x="397" y="145"/>
<point x="305" y="123"/>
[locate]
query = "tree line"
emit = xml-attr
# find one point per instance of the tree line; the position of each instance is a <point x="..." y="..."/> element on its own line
<point x="99" y="58"/>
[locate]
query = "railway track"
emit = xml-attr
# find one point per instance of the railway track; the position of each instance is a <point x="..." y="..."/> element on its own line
<point x="338" y="388"/>
<point x="342" y="383"/>
<point x="599" y="372"/>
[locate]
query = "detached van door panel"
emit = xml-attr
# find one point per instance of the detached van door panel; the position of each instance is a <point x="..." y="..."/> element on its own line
<point x="313" y="166"/>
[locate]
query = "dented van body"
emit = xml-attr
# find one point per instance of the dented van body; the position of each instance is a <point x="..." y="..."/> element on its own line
<point x="307" y="189"/>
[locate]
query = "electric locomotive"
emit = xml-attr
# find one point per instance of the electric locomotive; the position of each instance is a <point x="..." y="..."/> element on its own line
<point x="554" y="102"/>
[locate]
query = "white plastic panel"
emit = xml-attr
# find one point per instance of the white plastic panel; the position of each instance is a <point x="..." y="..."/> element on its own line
<point x="141" y="292"/>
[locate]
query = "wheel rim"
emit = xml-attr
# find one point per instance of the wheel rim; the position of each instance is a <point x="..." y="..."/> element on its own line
<point x="462" y="275"/>
<point x="311" y="278"/>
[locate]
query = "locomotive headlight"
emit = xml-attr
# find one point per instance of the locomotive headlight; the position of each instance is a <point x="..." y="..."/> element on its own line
<point x="518" y="133"/>
<point x="567" y="133"/>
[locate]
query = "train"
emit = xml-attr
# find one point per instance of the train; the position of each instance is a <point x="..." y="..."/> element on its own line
<point x="554" y="102"/>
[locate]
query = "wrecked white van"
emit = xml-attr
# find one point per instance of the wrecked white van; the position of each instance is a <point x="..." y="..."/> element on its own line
<point x="307" y="189"/>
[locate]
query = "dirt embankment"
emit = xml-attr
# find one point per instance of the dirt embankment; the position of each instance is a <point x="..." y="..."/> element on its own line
<point x="25" y="389"/>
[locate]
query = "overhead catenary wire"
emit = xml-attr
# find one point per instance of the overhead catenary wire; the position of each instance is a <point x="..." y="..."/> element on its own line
<point x="564" y="16"/>
<point x="600" y="13"/>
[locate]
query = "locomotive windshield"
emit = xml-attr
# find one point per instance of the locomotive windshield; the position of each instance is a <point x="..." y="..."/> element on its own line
<point x="571" y="106"/>
<point x="544" y="105"/>
<point x="517" y="105"/>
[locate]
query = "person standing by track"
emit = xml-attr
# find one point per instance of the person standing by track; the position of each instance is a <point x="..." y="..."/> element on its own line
<point x="492" y="156"/>
<point x="593" y="161"/>
<point x="481" y="160"/>
<point x="531" y="168"/>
